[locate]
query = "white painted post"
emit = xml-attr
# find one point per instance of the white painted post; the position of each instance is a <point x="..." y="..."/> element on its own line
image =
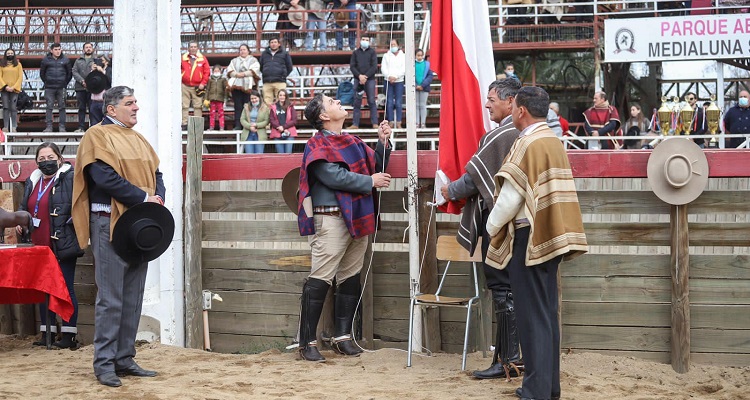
<point x="720" y="100"/>
<point x="146" y="56"/>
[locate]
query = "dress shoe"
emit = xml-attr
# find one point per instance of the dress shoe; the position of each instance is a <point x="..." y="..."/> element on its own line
<point x="496" y="371"/>
<point x="135" y="370"/>
<point x="555" y="396"/>
<point x="311" y="353"/>
<point x="109" y="379"/>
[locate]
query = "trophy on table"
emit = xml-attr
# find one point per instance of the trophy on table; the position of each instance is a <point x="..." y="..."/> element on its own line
<point x="686" y="117"/>
<point x="713" y="115"/>
<point x="665" y="116"/>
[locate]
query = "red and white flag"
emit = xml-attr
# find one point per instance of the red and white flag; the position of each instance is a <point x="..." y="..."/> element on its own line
<point x="461" y="55"/>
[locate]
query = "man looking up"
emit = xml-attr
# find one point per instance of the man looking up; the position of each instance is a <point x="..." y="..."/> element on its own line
<point x="477" y="186"/>
<point x="337" y="184"/>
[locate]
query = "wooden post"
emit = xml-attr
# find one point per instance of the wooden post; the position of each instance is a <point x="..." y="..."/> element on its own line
<point x="193" y="235"/>
<point x="680" y="289"/>
<point x="367" y="307"/>
<point x="428" y="280"/>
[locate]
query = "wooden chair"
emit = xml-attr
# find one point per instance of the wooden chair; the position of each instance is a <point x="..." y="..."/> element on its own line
<point x="449" y="250"/>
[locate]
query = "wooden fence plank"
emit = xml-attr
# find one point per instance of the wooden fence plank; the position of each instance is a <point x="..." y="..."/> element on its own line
<point x="646" y="202"/>
<point x="258" y="302"/>
<point x="254" y="280"/>
<point x="720" y="341"/>
<point x="280" y="231"/>
<point x="653" y="290"/>
<point x="247" y="344"/>
<point x="616" y="338"/>
<point x="398" y="308"/>
<point x="253" y="324"/>
<point x="245" y="201"/>
<point x="657" y="234"/>
<point x="701" y="266"/>
<point x="258" y="259"/>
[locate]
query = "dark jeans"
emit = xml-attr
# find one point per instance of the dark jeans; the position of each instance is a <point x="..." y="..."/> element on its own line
<point x="239" y="98"/>
<point x="68" y="268"/>
<point x="83" y="97"/>
<point x="96" y="112"/>
<point x="55" y="96"/>
<point x="10" y="112"/>
<point x="352" y="25"/>
<point x="394" y="100"/>
<point x="535" y="292"/>
<point x="370" y="92"/>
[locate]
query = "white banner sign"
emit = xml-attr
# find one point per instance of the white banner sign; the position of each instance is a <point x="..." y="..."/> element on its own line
<point x="705" y="37"/>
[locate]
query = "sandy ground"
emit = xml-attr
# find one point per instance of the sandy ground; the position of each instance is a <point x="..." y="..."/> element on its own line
<point x="31" y="372"/>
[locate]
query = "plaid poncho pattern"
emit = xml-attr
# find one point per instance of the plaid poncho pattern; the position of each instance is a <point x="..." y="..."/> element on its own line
<point x="357" y="209"/>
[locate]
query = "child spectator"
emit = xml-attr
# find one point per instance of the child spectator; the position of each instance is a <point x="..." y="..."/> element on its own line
<point x="217" y="94"/>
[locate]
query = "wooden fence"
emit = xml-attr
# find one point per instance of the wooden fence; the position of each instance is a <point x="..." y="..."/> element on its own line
<point x="616" y="299"/>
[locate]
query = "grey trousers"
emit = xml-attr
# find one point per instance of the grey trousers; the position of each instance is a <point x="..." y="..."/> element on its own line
<point x="55" y="96"/>
<point x="118" y="302"/>
<point x="10" y="113"/>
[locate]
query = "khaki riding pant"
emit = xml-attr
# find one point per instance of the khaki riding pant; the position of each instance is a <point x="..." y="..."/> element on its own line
<point x="190" y="98"/>
<point x="334" y="252"/>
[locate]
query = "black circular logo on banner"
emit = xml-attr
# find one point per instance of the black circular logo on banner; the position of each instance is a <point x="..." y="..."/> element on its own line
<point x="624" y="40"/>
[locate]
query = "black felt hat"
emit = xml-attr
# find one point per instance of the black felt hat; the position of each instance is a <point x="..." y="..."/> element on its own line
<point x="143" y="232"/>
<point x="96" y="82"/>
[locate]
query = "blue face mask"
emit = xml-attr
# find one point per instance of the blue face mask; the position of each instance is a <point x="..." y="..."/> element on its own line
<point x="364" y="44"/>
<point x="394" y="49"/>
<point x="743" y="101"/>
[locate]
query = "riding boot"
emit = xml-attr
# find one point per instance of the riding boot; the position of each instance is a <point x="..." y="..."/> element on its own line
<point x="347" y="296"/>
<point x="68" y="341"/>
<point x="313" y="296"/>
<point x="506" y="359"/>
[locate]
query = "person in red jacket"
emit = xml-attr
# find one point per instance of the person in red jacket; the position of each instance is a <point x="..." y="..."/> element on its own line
<point x="195" y="74"/>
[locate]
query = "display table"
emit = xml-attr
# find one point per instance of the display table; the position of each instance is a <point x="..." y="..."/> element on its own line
<point x="28" y="274"/>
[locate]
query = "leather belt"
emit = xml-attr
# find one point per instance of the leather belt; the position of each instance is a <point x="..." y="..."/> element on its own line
<point x="102" y="213"/>
<point x="331" y="213"/>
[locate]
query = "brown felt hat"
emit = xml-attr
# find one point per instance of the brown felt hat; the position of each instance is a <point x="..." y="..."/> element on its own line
<point x="290" y="189"/>
<point x="341" y="18"/>
<point x="297" y="15"/>
<point x="677" y="171"/>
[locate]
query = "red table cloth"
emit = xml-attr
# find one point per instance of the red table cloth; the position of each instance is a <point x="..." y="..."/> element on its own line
<point x="27" y="273"/>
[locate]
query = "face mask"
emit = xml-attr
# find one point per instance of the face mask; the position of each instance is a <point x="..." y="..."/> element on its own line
<point x="743" y="102"/>
<point x="217" y="74"/>
<point x="9" y="58"/>
<point x="48" y="167"/>
<point x="394" y="49"/>
<point x="364" y="44"/>
<point x="255" y="103"/>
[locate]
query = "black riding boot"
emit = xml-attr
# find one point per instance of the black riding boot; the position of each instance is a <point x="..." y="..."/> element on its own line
<point x="505" y="361"/>
<point x="68" y="341"/>
<point x="347" y="296"/>
<point x="313" y="296"/>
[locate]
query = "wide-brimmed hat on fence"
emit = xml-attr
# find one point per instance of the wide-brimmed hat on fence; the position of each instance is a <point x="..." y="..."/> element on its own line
<point x="143" y="232"/>
<point x="297" y="15"/>
<point x="290" y="189"/>
<point x="677" y="171"/>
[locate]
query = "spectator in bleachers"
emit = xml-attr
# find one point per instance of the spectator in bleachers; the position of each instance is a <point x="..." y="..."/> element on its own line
<point x="636" y="125"/>
<point x="275" y="66"/>
<point x="423" y="76"/>
<point x="698" y="125"/>
<point x="55" y="71"/>
<point x="283" y="121"/>
<point x="316" y="20"/>
<point x="510" y="71"/>
<point x="602" y="120"/>
<point x="81" y="68"/>
<point x="350" y="5"/>
<point x="737" y="120"/>
<point x="217" y="94"/>
<point x="11" y="77"/>
<point x="564" y="124"/>
<point x="394" y="71"/>
<point x="516" y="9"/>
<point x="364" y="65"/>
<point x="243" y="73"/>
<point x="254" y="121"/>
<point x="282" y="23"/>
<point x="96" y="110"/>
<point x="195" y="74"/>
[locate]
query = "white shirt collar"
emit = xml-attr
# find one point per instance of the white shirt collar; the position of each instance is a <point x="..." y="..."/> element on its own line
<point x="529" y="129"/>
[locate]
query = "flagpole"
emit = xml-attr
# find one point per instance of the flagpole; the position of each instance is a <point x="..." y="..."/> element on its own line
<point x="411" y="162"/>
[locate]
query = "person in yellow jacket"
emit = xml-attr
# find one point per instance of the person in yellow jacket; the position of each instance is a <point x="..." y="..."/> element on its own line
<point x="11" y="77"/>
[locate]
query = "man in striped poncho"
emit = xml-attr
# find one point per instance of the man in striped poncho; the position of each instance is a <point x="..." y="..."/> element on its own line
<point x="477" y="186"/>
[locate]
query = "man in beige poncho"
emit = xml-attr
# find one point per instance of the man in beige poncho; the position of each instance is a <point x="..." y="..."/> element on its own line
<point x="535" y="223"/>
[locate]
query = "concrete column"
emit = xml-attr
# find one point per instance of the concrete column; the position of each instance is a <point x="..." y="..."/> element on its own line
<point x="146" y="51"/>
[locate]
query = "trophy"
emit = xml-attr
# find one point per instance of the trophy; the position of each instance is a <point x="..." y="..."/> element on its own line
<point x="675" y="120"/>
<point x="686" y="116"/>
<point x="713" y="115"/>
<point x="665" y="115"/>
